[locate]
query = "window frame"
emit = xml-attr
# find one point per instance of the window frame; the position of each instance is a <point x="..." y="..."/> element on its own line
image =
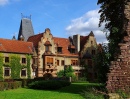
<point x="24" y="60"/>
<point x="5" y="71"/>
<point x="59" y="49"/>
<point x="62" y="62"/>
<point x="23" y="74"/>
<point x="6" y="59"/>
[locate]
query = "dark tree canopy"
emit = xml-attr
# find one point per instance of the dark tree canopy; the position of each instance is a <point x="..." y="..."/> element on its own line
<point x="112" y="13"/>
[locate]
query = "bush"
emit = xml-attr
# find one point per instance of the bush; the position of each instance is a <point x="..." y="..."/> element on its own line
<point x="14" y="85"/>
<point x="10" y="85"/>
<point x="94" y="91"/>
<point x="3" y="86"/>
<point x="48" y="85"/>
<point x="25" y="82"/>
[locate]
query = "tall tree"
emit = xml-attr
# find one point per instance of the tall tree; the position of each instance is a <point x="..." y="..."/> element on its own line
<point x="112" y="13"/>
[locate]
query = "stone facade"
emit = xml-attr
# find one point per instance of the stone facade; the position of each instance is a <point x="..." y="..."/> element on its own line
<point x="119" y="76"/>
<point x="15" y="59"/>
<point x="54" y="53"/>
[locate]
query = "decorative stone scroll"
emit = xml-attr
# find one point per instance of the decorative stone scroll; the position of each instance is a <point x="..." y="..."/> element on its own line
<point x="119" y="73"/>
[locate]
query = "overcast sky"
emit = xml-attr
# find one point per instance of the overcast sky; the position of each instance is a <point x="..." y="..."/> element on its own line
<point x="63" y="17"/>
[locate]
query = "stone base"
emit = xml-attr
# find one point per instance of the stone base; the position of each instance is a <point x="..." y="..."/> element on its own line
<point x="114" y="96"/>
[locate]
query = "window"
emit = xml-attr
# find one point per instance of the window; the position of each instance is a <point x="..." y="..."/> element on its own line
<point x="72" y="50"/>
<point x="62" y="62"/>
<point x="58" y="62"/>
<point x="7" y="71"/>
<point x="23" y="60"/>
<point x="6" y="59"/>
<point x="49" y="60"/>
<point x="59" y="49"/>
<point x="74" y="62"/>
<point x="23" y="72"/>
<point x="93" y="52"/>
<point x="47" y="48"/>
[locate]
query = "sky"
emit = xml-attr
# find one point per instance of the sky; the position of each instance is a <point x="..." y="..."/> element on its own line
<point x="63" y="17"/>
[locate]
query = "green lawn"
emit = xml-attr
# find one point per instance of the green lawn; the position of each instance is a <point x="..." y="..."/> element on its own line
<point x="70" y="92"/>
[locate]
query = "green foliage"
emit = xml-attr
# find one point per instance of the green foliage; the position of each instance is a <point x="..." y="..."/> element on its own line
<point x="15" y="66"/>
<point x="60" y="73"/>
<point x="28" y="66"/>
<point x="68" y="92"/>
<point x="10" y="85"/>
<point x="123" y="95"/>
<point x="91" y="91"/>
<point x="1" y="66"/>
<point x="68" y="72"/>
<point x="112" y="14"/>
<point x="48" y="85"/>
<point x="3" y="86"/>
<point x="102" y="62"/>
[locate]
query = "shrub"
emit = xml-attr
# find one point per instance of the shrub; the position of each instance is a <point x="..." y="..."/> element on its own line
<point x="10" y="85"/>
<point x="94" y="91"/>
<point x="3" y="86"/>
<point x="48" y="85"/>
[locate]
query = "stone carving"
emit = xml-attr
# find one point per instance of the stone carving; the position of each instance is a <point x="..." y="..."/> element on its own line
<point x="119" y="75"/>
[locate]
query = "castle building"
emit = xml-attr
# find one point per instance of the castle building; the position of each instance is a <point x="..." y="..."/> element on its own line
<point x="48" y="54"/>
<point x="53" y="54"/>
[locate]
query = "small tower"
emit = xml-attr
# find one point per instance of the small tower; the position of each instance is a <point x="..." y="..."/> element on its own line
<point x="21" y="38"/>
<point x="13" y="38"/>
<point x="26" y="28"/>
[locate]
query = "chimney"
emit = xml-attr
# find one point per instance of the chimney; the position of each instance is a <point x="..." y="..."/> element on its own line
<point x="76" y="40"/>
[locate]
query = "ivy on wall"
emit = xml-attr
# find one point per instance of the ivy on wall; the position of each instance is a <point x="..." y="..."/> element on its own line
<point x="28" y="66"/>
<point x="15" y="66"/>
<point x="1" y="66"/>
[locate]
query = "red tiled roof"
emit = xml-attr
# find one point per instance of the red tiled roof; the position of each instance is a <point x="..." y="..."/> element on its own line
<point x="61" y="42"/>
<point x="35" y="39"/>
<point x="64" y="43"/>
<point x="14" y="46"/>
<point x="72" y="46"/>
<point x="83" y="40"/>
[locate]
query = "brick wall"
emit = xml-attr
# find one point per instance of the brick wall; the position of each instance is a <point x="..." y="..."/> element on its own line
<point x="119" y="75"/>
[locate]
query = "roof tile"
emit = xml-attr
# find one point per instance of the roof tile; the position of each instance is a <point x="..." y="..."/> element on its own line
<point x="14" y="46"/>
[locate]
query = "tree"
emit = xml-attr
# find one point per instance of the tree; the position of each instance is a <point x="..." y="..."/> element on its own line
<point x="112" y="13"/>
<point x="101" y="62"/>
<point x="68" y="72"/>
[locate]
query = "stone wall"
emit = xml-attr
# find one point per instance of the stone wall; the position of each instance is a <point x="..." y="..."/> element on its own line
<point x="119" y="75"/>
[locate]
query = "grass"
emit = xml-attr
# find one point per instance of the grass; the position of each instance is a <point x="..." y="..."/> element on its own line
<point x="70" y="92"/>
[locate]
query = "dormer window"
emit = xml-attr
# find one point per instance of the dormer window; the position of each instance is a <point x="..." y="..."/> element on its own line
<point x="71" y="48"/>
<point x="47" y="45"/>
<point x="47" y="48"/>
<point x="59" y="49"/>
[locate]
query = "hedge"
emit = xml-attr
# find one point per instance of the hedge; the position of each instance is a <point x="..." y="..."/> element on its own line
<point x="48" y="85"/>
<point x="10" y="85"/>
